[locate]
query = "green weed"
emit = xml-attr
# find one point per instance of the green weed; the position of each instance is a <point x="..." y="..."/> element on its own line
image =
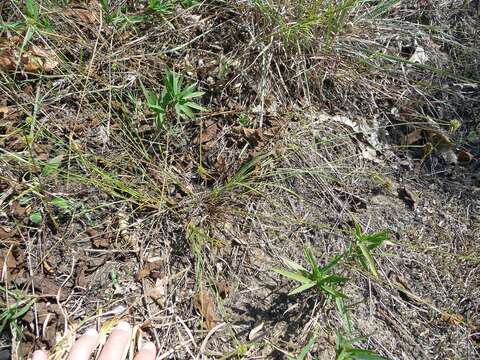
<point x="161" y="7"/>
<point x="304" y="18"/>
<point x="364" y="244"/>
<point x="118" y="16"/>
<point x="305" y="351"/>
<point x="319" y="277"/>
<point x="345" y="350"/>
<point x="11" y="313"/>
<point x="174" y="97"/>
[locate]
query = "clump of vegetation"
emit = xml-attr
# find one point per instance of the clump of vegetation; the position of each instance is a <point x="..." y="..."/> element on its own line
<point x="345" y="350"/>
<point x="364" y="244"/>
<point x="175" y="98"/>
<point x="230" y="180"/>
<point x="321" y="279"/>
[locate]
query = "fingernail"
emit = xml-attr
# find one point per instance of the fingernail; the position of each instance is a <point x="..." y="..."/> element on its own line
<point x="91" y="332"/>
<point x="38" y="355"/>
<point x="149" y="346"/>
<point x="123" y="326"/>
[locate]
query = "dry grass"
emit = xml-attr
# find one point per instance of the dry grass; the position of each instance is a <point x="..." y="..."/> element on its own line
<point x="158" y="226"/>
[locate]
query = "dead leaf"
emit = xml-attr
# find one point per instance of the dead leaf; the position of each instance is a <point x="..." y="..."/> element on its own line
<point x="34" y="59"/>
<point x="256" y="333"/>
<point x="209" y="133"/>
<point x="101" y="243"/>
<point x="7" y="260"/>
<point x="81" y="278"/>
<point x="440" y="141"/>
<point x="7" y="232"/>
<point x="254" y="136"/>
<point x="152" y="269"/>
<point x="222" y="288"/>
<point x="49" y="288"/>
<point x="454" y="319"/>
<point x="464" y="157"/>
<point x="7" y="60"/>
<point x="4" y="110"/>
<point x="47" y="267"/>
<point x="207" y="309"/>
<point x="18" y="210"/>
<point x="159" y="292"/>
<point x="413" y="137"/>
<point x="84" y="15"/>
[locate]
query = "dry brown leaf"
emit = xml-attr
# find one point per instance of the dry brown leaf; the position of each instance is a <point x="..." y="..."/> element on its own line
<point x="209" y="132"/>
<point x="101" y="243"/>
<point x="18" y="210"/>
<point x="46" y="59"/>
<point x="7" y="232"/>
<point x="84" y="15"/>
<point x="454" y="319"/>
<point x="7" y="260"/>
<point x="34" y="60"/>
<point x="206" y="307"/>
<point x="49" y="288"/>
<point x="153" y="269"/>
<point x="440" y="141"/>
<point x="464" y="157"/>
<point x="7" y="60"/>
<point x="413" y="137"/>
<point x="222" y="288"/>
<point x="47" y="267"/>
<point x="159" y="292"/>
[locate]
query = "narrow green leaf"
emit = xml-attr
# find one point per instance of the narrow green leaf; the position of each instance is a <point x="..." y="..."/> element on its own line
<point x="307" y="348"/>
<point x="293" y="265"/>
<point x="331" y="264"/>
<point x="360" y="354"/>
<point x="302" y="288"/>
<point x="60" y="203"/>
<point x="195" y="106"/>
<point x="294" y="276"/>
<point x="52" y="165"/>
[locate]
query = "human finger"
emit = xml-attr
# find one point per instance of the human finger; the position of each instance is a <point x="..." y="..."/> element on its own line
<point x="39" y="355"/>
<point x="84" y="346"/>
<point x="147" y="352"/>
<point x="117" y="342"/>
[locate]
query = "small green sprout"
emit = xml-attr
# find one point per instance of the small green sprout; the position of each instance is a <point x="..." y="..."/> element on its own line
<point x="364" y="244"/>
<point x="161" y="7"/>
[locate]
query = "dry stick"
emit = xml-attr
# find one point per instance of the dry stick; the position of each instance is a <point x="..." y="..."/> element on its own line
<point x="209" y="335"/>
<point x="264" y="80"/>
<point x="90" y="65"/>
